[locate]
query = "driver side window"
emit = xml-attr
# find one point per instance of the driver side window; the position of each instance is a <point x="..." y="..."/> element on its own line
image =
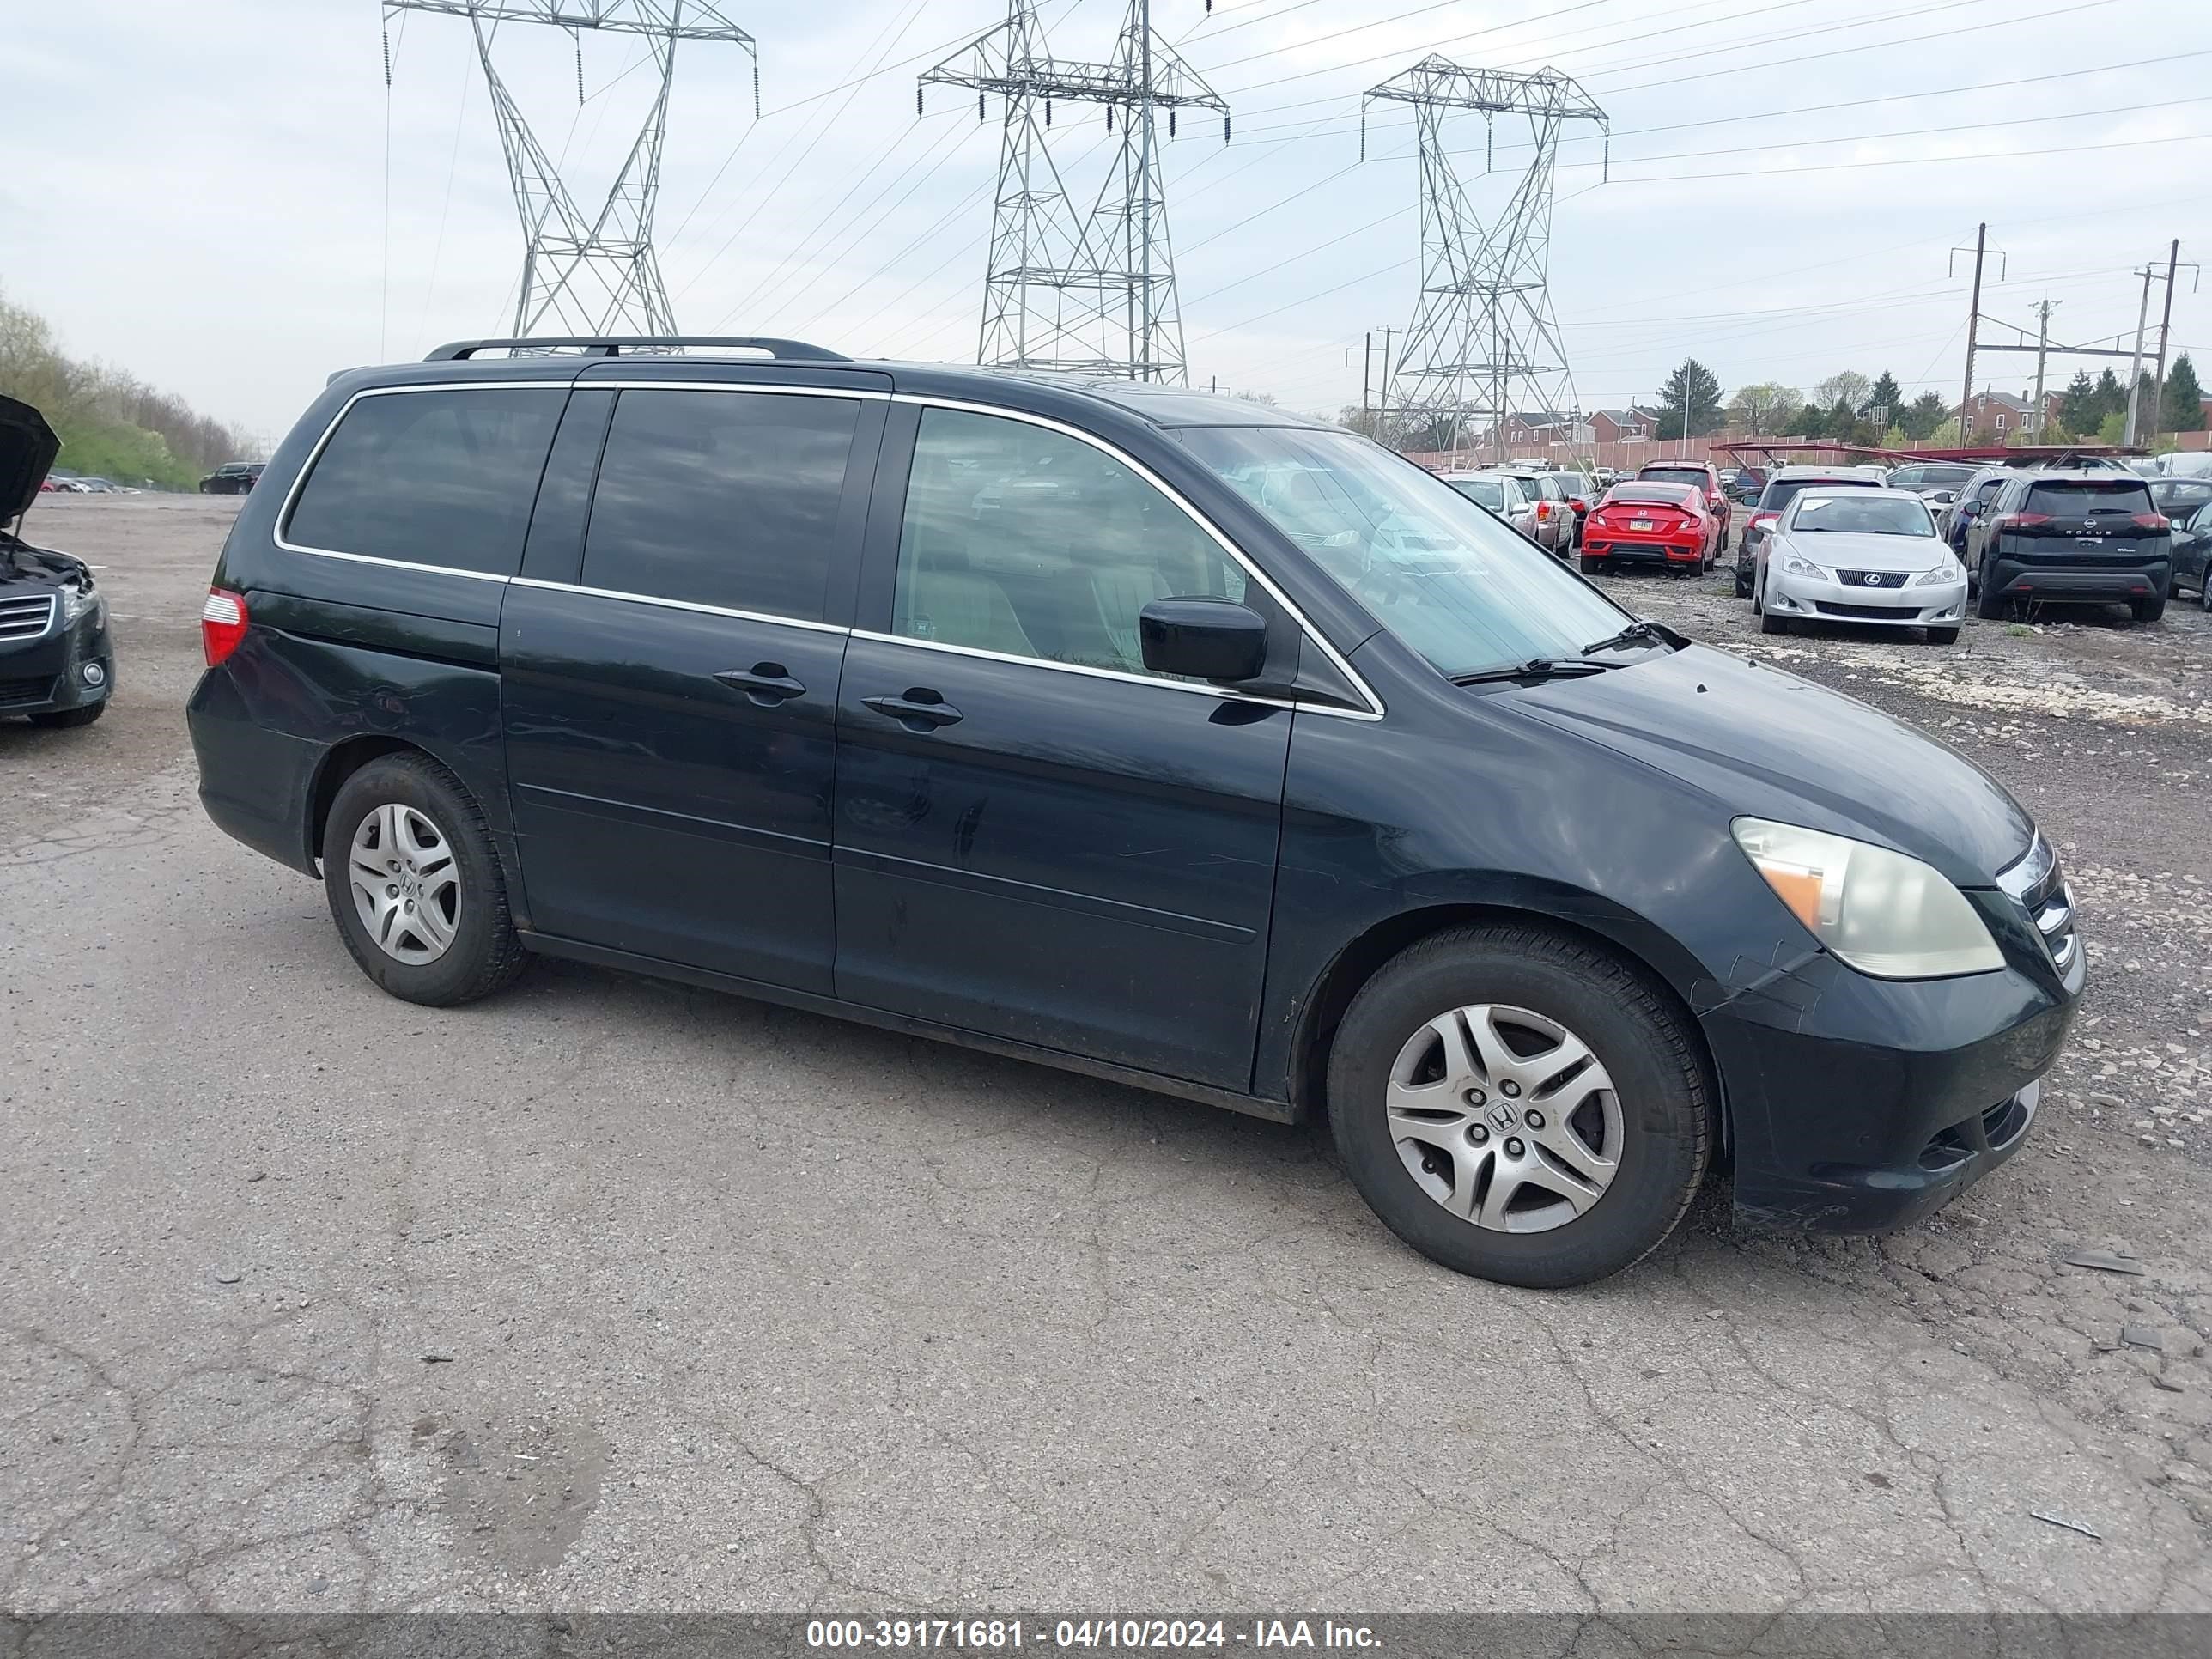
<point x="1022" y="541"/>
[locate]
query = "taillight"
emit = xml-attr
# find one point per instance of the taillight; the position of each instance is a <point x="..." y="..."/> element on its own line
<point x="1543" y="511"/>
<point x="2022" y="520"/>
<point x="2154" y="520"/>
<point x="222" y="625"/>
<point x="1579" y="505"/>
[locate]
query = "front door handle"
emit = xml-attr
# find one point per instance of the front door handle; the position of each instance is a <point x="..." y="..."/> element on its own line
<point x="919" y="710"/>
<point x="764" y="683"/>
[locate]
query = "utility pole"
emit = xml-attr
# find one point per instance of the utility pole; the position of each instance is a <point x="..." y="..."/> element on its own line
<point x="2135" y="369"/>
<point x="2165" y="332"/>
<point x="2042" y="351"/>
<point x="1382" y="409"/>
<point x="1974" y="330"/>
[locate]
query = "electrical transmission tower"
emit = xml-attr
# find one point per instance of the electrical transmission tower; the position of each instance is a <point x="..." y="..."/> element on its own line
<point x="1091" y="290"/>
<point x="588" y="273"/>
<point x="1483" y="341"/>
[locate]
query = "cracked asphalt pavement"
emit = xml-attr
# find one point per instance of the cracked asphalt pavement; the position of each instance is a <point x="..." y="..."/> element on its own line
<point x="609" y="1294"/>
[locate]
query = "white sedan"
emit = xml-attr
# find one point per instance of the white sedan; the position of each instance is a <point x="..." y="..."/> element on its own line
<point x="1860" y="555"/>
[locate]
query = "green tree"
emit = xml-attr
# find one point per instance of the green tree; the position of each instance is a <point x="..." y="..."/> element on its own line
<point x="1844" y="426"/>
<point x="1810" y="422"/>
<point x="1884" y="402"/>
<point x="2077" y="405"/>
<point x="2184" y="409"/>
<point x="1760" y="410"/>
<point x="1693" y="387"/>
<point x="1920" y="417"/>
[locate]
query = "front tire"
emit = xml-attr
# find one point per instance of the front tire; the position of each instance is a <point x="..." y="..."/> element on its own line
<point x="84" y="714"/>
<point x="414" y="885"/>
<point x="1520" y="1105"/>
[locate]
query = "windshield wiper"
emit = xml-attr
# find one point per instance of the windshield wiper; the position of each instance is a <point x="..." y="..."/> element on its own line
<point x="1639" y="632"/>
<point x="1537" y="668"/>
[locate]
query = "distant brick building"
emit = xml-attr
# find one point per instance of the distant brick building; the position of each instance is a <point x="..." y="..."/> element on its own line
<point x="1995" y="416"/>
<point x="1615" y="426"/>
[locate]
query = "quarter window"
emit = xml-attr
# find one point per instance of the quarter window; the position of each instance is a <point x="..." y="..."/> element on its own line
<point x="1020" y="540"/>
<point x="442" y="477"/>
<point x="721" y="498"/>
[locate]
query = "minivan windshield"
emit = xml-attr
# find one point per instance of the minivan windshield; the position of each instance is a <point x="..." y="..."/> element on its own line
<point x="1455" y="584"/>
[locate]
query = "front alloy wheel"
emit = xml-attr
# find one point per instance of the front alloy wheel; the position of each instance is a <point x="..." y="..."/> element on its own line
<point x="1506" y="1118"/>
<point x="1520" y="1103"/>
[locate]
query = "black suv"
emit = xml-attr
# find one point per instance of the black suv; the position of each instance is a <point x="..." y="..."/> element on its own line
<point x="1161" y="737"/>
<point x="232" y="478"/>
<point x="2087" y="535"/>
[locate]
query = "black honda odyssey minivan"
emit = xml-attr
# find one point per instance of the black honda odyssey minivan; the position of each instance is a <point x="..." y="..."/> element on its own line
<point x="1161" y="737"/>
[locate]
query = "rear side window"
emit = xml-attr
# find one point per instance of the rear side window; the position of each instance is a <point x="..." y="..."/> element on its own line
<point x="2077" y="498"/>
<point x="721" y="498"/>
<point x="443" y="477"/>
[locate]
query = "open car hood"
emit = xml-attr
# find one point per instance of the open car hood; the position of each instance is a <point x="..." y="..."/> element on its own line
<point x="27" y="448"/>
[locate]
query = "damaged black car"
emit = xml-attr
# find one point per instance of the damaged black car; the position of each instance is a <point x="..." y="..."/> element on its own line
<point x="57" y="661"/>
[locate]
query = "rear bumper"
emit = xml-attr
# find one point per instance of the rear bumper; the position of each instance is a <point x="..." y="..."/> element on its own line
<point x="255" y="783"/>
<point x="1629" y="549"/>
<point x="2146" y="579"/>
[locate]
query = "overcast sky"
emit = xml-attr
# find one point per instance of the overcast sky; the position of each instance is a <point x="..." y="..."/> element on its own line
<point x="224" y="198"/>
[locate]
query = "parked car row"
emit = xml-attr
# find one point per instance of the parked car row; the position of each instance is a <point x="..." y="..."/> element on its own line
<point x="1912" y="546"/>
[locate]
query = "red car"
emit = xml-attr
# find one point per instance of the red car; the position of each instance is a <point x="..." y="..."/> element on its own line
<point x="1707" y="478"/>
<point x="1640" y="521"/>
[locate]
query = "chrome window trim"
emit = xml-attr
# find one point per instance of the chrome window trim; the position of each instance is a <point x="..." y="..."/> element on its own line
<point x="1375" y="709"/>
<point x="1224" y="693"/>
<point x="678" y="605"/>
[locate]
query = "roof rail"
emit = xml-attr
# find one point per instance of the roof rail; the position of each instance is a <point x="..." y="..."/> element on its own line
<point x="614" y="345"/>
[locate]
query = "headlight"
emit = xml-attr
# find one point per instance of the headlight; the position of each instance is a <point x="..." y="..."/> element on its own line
<point x="77" y="600"/>
<point x="1950" y="571"/>
<point x="1798" y="565"/>
<point x="1884" y="913"/>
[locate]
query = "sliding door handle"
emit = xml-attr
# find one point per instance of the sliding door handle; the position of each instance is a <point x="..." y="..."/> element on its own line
<point x="919" y="710"/>
<point x="764" y="683"/>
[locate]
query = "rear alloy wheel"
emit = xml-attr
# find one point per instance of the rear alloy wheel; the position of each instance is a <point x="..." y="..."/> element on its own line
<point x="414" y="885"/>
<point x="1519" y="1104"/>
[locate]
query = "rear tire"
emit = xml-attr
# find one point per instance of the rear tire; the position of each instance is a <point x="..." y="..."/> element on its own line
<point x="1604" y="1179"/>
<point x="65" y="718"/>
<point x="443" y="854"/>
<point x="1989" y="604"/>
<point x="1942" y="637"/>
<point x="2148" y="610"/>
<point x="1590" y="566"/>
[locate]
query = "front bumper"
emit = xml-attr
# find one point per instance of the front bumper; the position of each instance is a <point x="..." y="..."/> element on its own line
<point x="1937" y="604"/>
<point x="64" y="668"/>
<point x="1860" y="1105"/>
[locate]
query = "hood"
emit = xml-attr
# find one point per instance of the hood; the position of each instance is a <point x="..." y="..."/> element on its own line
<point x="1760" y="742"/>
<point x="1848" y="549"/>
<point x="27" y="448"/>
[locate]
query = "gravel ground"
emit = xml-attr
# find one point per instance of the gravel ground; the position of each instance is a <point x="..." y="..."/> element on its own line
<point x="611" y="1294"/>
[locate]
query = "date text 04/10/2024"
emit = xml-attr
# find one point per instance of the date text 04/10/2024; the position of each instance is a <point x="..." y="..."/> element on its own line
<point x="1106" y="1633"/>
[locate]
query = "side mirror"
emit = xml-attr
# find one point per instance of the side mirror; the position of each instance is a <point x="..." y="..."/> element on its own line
<point x="1203" y="639"/>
